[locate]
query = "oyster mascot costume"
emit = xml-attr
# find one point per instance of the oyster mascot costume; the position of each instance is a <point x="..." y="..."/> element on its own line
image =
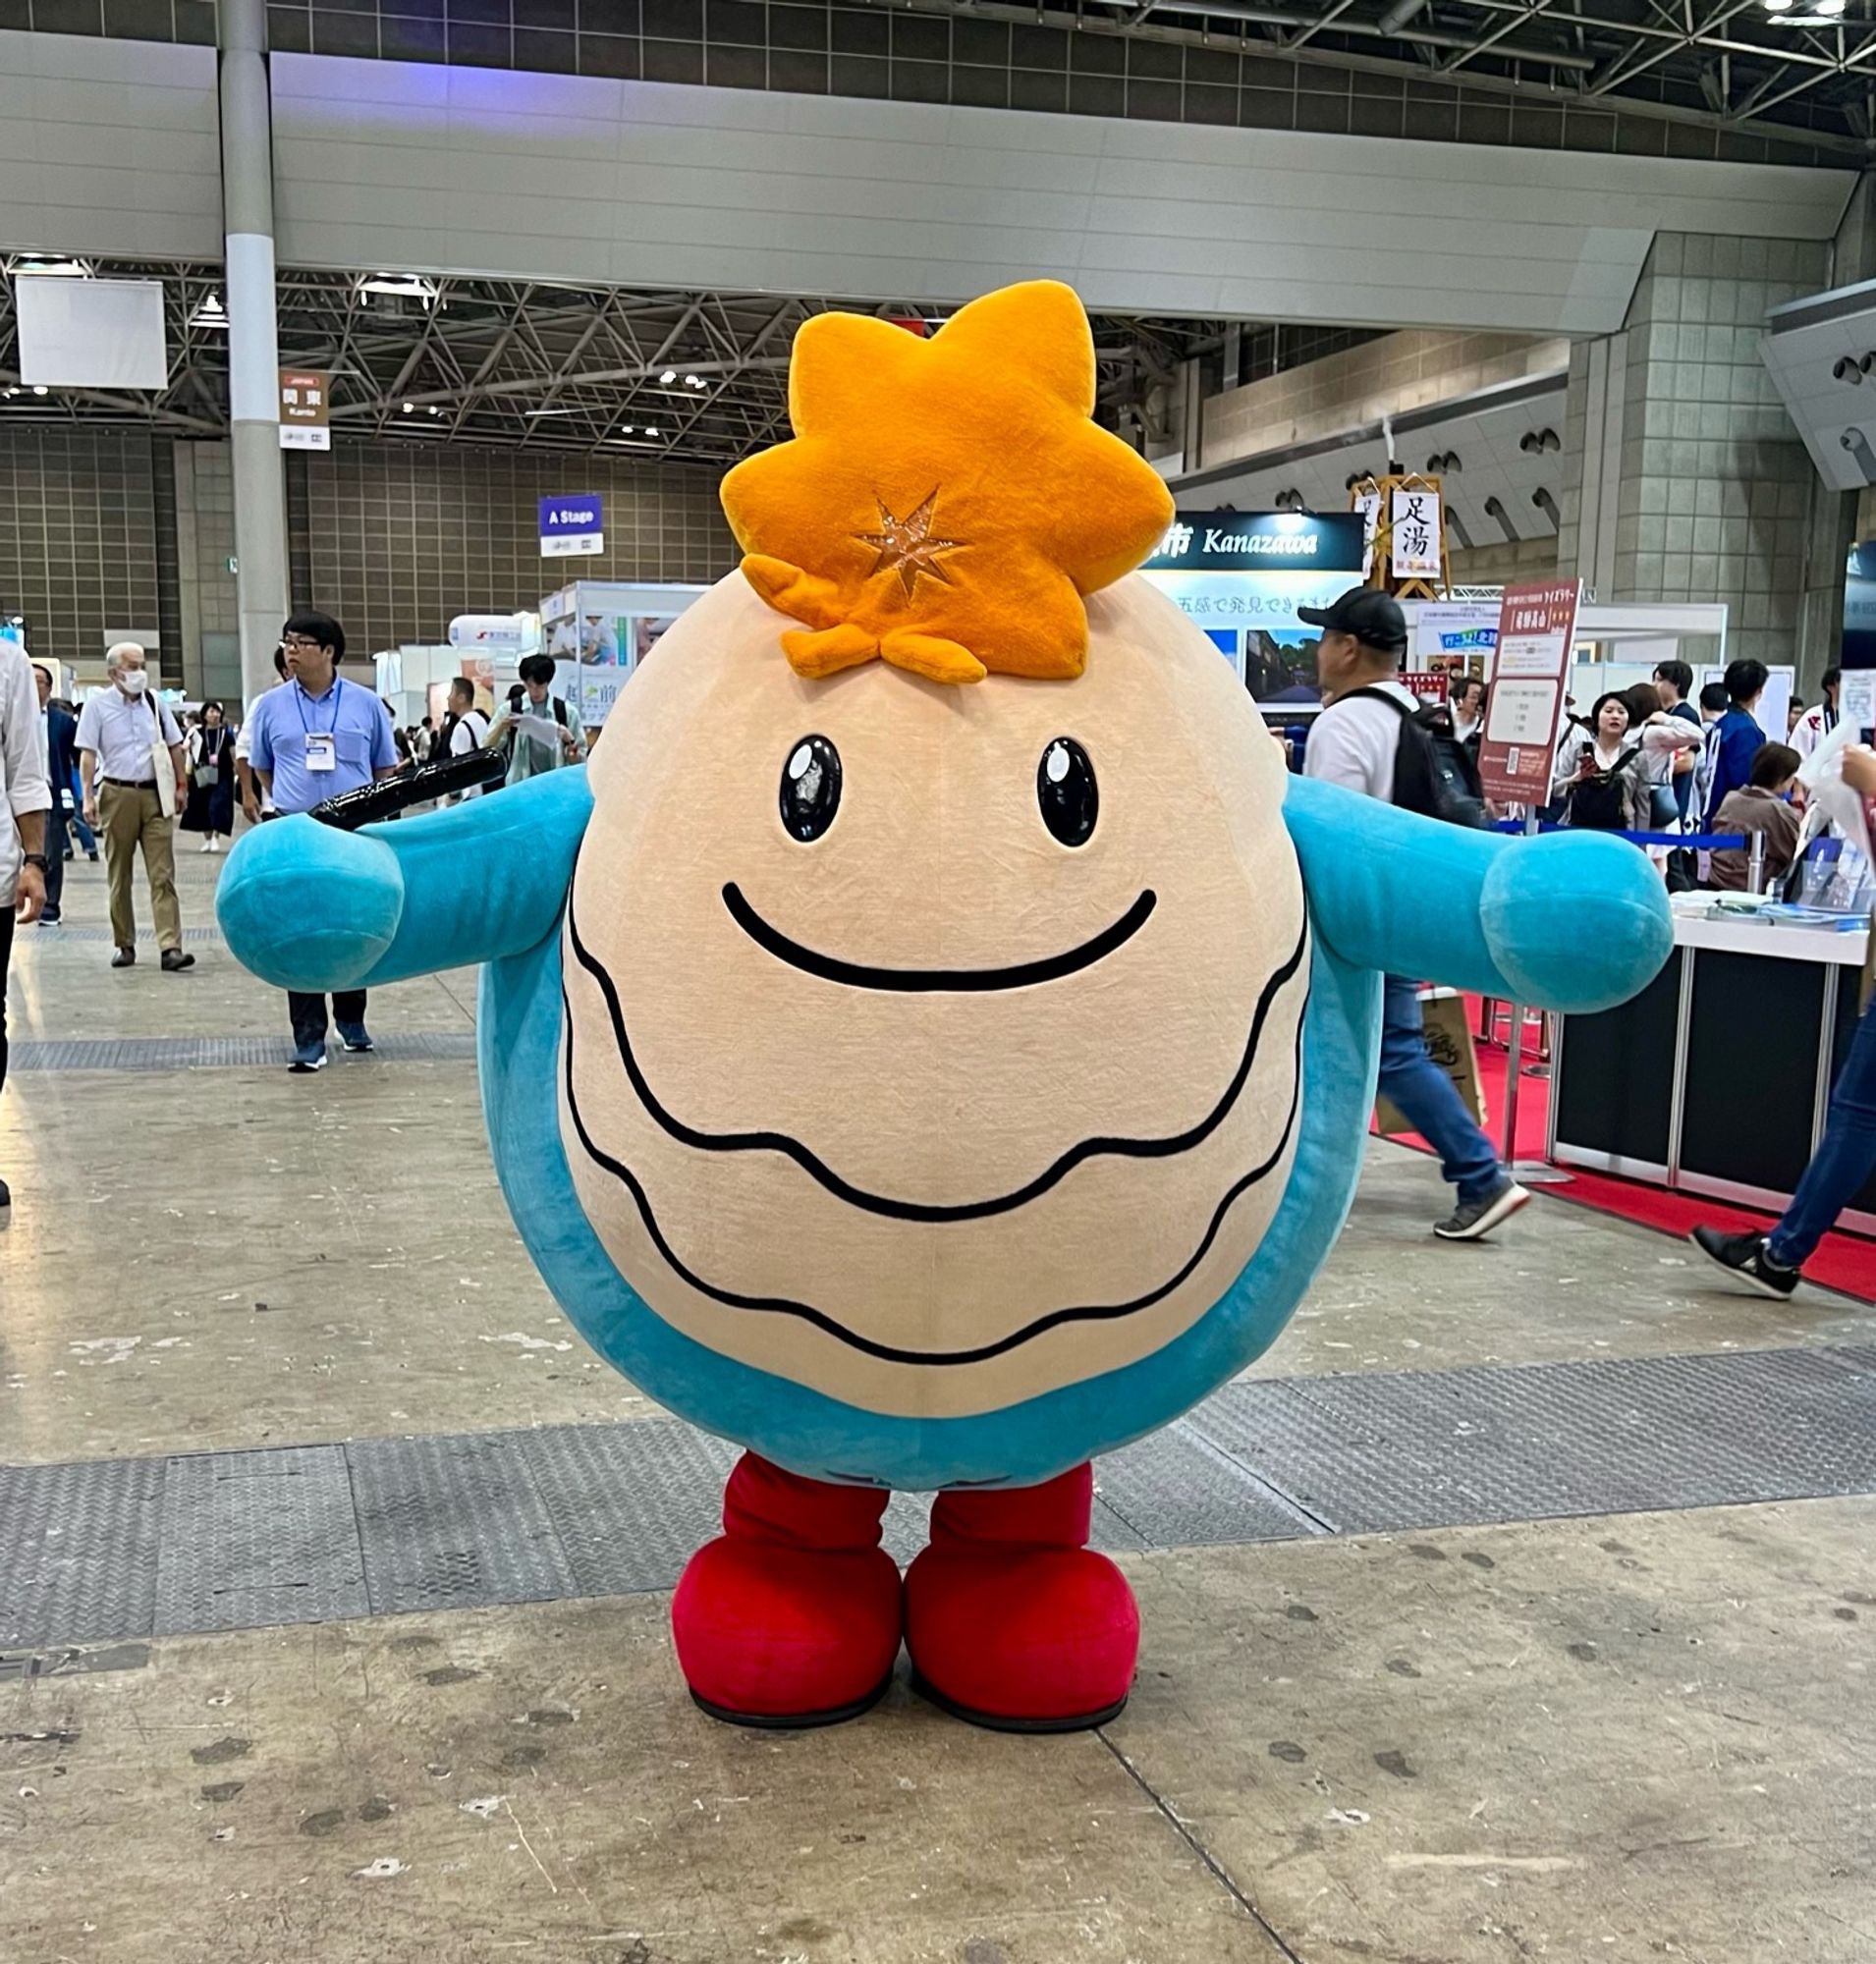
<point x="933" y="1041"/>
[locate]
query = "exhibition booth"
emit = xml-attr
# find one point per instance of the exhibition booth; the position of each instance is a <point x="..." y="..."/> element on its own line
<point x="598" y="631"/>
<point x="1656" y="1090"/>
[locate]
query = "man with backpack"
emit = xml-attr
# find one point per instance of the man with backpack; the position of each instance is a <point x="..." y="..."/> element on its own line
<point x="540" y="730"/>
<point x="464" y="727"/>
<point x="1368" y="739"/>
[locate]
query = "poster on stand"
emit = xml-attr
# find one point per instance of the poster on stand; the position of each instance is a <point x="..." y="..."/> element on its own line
<point x="1457" y="635"/>
<point x="1537" y="629"/>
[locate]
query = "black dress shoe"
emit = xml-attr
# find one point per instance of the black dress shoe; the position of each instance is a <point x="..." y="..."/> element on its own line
<point x="125" y="957"/>
<point x="175" y="959"/>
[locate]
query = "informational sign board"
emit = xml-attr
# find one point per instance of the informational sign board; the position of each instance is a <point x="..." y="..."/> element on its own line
<point x="91" y="334"/>
<point x="1414" y="541"/>
<point x="1456" y="634"/>
<point x="1536" y="627"/>
<point x="1242" y="575"/>
<point x="573" y="525"/>
<point x="1257" y="542"/>
<point x="306" y="410"/>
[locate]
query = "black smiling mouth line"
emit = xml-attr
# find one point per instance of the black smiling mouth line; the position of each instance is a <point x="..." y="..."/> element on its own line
<point x="893" y="1353"/>
<point x="925" y="981"/>
<point x="895" y="1209"/>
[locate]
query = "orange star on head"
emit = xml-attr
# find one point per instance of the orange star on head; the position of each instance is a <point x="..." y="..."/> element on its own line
<point x="906" y="546"/>
<point x="1017" y="504"/>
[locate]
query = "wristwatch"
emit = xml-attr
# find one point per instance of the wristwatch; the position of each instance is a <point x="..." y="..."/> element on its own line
<point x="37" y="859"/>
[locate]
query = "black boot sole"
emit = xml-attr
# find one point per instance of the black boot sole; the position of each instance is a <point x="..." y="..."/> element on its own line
<point x="997" y="1721"/>
<point x="793" y="1721"/>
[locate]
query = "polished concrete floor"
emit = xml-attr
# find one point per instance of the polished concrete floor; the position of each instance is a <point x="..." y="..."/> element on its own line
<point x="1635" y="1737"/>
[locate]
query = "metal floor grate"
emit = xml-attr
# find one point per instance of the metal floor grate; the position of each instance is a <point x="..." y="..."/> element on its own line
<point x="200" y="1053"/>
<point x="121" y="1549"/>
<point x="60" y="931"/>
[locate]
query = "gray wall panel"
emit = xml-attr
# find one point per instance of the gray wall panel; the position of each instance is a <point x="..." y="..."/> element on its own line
<point x="424" y="167"/>
<point x="108" y="147"/>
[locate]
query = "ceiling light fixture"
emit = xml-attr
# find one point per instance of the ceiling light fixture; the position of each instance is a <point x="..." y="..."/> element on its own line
<point x="669" y="376"/>
<point x="211" y="314"/>
<point x="410" y="408"/>
<point x="650" y="432"/>
<point x="53" y="269"/>
<point x="39" y="389"/>
<point x="401" y="285"/>
<point x="627" y="430"/>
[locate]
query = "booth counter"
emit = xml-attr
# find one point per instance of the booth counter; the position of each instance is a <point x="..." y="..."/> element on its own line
<point x="1715" y="1079"/>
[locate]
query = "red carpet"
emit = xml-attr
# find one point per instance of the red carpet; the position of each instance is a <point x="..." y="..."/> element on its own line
<point x="1844" y="1262"/>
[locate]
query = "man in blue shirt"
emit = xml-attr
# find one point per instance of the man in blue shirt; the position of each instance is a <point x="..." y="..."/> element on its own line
<point x="312" y="739"/>
<point x="1737" y="739"/>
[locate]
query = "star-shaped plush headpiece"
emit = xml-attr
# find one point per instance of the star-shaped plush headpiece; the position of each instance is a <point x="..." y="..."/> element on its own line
<point x="944" y="503"/>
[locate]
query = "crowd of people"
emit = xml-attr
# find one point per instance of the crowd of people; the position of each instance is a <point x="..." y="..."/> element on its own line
<point x="124" y="774"/>
<point x="1641" y="761"/>
<point x="1649" y="759"/>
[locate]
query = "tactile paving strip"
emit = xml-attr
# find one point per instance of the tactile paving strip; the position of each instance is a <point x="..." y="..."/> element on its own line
<point x="196" y="1053"/>
<point x="132" y="1548"/>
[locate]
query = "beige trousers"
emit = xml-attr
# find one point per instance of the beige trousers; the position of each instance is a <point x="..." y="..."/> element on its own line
<point x="131" y="819"/>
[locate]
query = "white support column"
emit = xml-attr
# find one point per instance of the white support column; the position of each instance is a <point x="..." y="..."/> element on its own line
<point x="253" y="343"/>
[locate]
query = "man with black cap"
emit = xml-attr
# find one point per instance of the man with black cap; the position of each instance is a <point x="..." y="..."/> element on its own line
<point x="1355" y="742"/>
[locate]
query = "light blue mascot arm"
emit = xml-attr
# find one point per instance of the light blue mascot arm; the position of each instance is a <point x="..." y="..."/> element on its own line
<point x="1569" y="922"/>
<point x="309" y="906"/>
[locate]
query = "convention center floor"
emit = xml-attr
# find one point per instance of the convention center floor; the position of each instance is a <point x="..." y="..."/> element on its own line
<point x="1519" y="1604"/>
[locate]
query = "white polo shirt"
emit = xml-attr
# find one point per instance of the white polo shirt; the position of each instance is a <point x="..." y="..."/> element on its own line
<point x="121" y="730"/>
<point x="23" y="782"/>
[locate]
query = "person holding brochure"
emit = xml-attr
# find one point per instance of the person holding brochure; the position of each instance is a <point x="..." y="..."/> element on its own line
<point x="541" y="731"/>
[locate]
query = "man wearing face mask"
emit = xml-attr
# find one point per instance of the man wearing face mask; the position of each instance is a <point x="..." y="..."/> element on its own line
<point x="127" y="741"/>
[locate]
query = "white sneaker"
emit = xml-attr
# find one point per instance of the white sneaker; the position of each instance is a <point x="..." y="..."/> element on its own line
<point x="214" y="843"/>
<point x="208" y="846"/>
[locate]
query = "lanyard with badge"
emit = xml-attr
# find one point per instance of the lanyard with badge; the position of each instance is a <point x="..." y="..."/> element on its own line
<point x="322" y="747"/>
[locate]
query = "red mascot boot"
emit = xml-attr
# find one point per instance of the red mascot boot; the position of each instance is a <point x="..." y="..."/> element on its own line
<point x="1012" y="1620"/>
<point x="792" y="1615"/>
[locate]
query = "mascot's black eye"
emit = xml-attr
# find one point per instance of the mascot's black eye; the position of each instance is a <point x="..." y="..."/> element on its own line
<point x="810" y="788"/>
<point x="1065" y="789"/>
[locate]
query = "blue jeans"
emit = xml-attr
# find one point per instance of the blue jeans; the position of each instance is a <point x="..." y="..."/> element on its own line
<point x="1843" y="1158"/>
<point x="1427" y="1098"/>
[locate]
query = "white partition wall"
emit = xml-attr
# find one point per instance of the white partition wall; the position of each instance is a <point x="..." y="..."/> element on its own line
<point x="559" y="177"/>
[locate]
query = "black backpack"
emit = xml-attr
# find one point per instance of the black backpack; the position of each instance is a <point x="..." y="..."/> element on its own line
<point x="1596" y="802"/>
<point x="1433" y="774"/>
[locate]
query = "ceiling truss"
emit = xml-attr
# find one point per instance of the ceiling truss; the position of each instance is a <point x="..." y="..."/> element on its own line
<point x="691" y="378"/>
<point x="1736" y="65"/>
